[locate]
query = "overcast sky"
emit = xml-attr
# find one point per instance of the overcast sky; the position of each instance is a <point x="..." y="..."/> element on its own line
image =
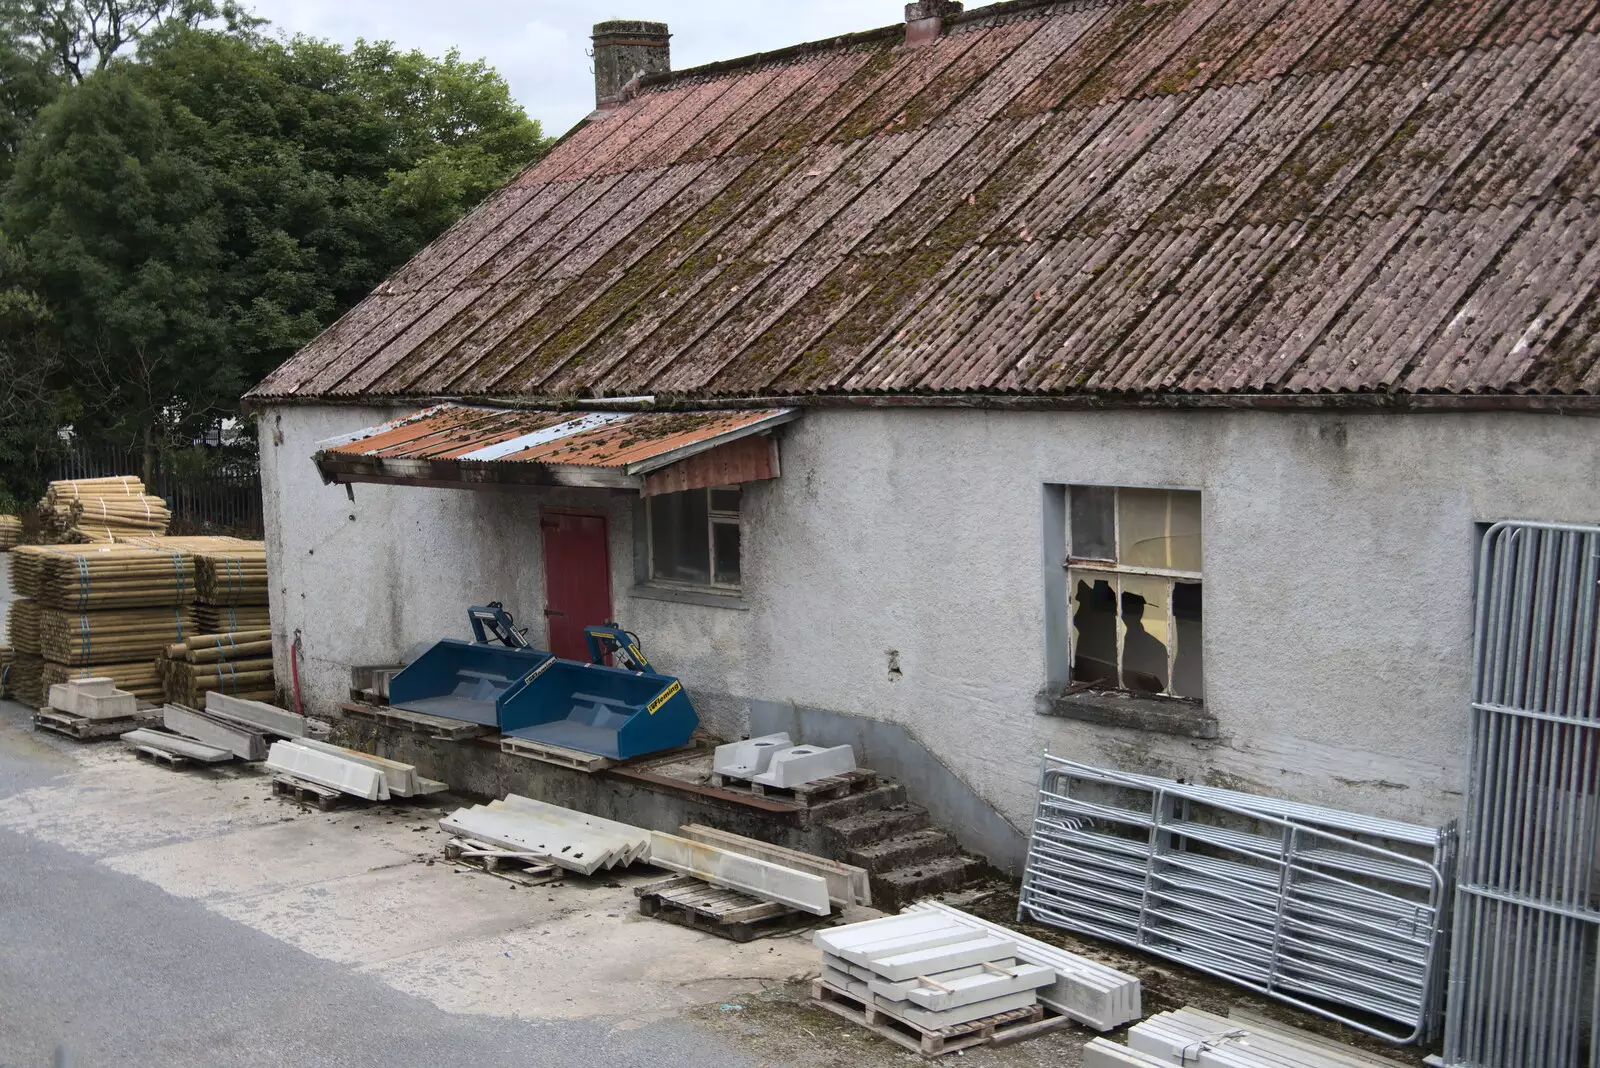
<point x="540" y="46"/>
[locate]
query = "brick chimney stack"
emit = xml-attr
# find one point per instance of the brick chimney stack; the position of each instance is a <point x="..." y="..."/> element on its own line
<point x="925" y="20"/>
<point x="623" y="50"/>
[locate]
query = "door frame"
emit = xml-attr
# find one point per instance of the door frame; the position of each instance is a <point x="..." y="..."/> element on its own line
<point x="544" y="562"/>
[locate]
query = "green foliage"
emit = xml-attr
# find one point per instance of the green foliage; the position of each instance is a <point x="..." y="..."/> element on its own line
<point x="190" y="219"/>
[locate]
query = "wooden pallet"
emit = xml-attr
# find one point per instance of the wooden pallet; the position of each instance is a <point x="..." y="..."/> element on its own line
<point x="492" y="860"/>
<point x="832" y="788"/>
<point x="48" y="719"/>
<point x="693" y="903"/>
<point x="449" y="730"/>
<point x="555" y="754"/>
<point x="1003" y="1029"/>
<point x="160" y="756"/>
<point x="305" y="792"/>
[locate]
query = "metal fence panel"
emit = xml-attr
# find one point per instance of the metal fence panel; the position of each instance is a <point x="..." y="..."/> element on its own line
<point x="1523" y="991"/>
<point x="1340" y="914"/>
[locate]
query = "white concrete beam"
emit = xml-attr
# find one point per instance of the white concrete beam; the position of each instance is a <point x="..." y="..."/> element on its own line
<point x="758" y="878"/>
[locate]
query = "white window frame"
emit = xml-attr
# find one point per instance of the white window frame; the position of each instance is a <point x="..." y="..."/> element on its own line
<point x="1114" y="572"/>
<point x="714" y="519"/>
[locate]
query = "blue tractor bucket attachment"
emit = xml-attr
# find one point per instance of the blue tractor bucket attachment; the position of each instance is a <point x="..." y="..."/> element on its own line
<point x="466" y="680"/>
<point x="610" y="712"/>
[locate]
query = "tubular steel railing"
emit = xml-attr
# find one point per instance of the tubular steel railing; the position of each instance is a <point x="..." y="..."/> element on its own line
<point x="1339" y="914"/>
<point x="1523" y="991"/>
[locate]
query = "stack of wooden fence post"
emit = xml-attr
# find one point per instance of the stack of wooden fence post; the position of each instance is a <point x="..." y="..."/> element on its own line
<point x="101" y="611"/>
<point x="230" y="650"/>
<point x="10" y="534"/>
<point x="101" y="510"/>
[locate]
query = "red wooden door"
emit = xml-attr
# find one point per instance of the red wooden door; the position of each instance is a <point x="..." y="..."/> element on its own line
<point x="577" y="580"/>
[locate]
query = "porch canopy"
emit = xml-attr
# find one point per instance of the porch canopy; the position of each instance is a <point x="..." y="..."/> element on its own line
<point x="463" y="446"/>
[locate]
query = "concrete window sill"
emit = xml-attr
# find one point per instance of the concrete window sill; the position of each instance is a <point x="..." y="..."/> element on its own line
<point x="1156" y="715"/>
<point x="677" y="596"/>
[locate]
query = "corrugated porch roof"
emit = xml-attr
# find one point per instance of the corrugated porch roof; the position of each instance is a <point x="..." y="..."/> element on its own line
<point x="456" y="444"/>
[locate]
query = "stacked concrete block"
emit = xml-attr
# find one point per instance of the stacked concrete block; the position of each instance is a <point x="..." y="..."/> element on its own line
<point x="1084" y="990"/>
<point x="929" y="970"/>
<point x="93" y="699"/>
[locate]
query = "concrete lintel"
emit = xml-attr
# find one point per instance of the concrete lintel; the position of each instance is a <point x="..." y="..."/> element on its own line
<point x="264" y="717"/>
<point x="325" y="769"/>
<point x="245" y="744"/>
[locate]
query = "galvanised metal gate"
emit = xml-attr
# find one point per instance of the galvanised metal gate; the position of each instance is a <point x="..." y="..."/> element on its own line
<point x="1523" y="991"/>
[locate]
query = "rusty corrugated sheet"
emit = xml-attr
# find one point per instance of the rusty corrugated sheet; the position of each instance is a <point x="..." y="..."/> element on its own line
<point x="1100" y="196"/>
<point x="577" y="439"/>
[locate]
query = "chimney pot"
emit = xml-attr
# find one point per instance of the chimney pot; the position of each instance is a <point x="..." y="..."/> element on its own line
<point x="925" y="20"/>
<point x="624" y="49"/>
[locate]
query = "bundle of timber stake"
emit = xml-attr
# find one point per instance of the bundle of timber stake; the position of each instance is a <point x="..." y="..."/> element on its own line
<point x="100" y="577"/>
<point x="117" y="637"/>
<point x="22" y="626"/>
<point x="139" y="678"/>
<point x="231" y="619"/>
<point x="25" y="680"/>
<point x="102" y="509"/>
<point x="5" y="671"/>
<point x="227" y="571"/>
<point x="239" y="665"/>
<point x="10" y="532"/>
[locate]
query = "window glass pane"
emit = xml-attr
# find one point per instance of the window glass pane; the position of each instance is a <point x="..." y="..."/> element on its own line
<point x="726" y="500"/>
<point x="1093" y="523"/>
<point x="1188" y="680"/>
<point x="725" y="537"/>
<point x="1159" y="528"/>
<point x="1146" y="633"/>
<point x="680" y="541"/>
<point x="1094" y="628"/>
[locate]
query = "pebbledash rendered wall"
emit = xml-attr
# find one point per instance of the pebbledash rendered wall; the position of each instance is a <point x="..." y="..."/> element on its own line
<point x="1338" y="581"/>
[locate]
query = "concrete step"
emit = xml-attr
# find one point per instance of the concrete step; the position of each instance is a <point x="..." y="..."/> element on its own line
<point x="868" y="828"/>
<point x="884" y="795"/>
<point x="893" y="890"/>
<point x="902" y="850"/>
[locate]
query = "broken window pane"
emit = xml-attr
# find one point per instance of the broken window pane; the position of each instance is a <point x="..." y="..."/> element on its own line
<point x="725" y="538"/>
<point x="1093" y="523"/>
<point x="680" y="537"/>
<point x="1159" y="529"/>
<point x="1146" y="633"/>
<point x="1188" y="679"/>
<point x="1094" y="628"/>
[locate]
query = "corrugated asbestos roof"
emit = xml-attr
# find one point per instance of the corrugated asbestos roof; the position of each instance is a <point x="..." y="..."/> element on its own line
<point x="1144" y="196"/>
<point x="633" y="442"/>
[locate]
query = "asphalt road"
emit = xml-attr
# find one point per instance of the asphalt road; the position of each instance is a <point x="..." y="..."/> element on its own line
<point x="114" y="971"/>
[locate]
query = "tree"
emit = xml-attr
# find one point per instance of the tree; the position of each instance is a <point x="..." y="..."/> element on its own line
<point x="194" y="218"/>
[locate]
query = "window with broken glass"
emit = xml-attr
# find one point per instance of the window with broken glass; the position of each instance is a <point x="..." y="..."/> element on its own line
<point x="694" y="538"/>
<point x="1134" y="586"/>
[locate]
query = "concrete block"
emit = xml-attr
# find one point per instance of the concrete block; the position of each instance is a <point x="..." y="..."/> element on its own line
<point x="806" y="763"/>
<point x="847" y="884"/>
<point x="868" y="954"/>
<point x="978" y="1010"/>
<point x="184" y="747"/>
<point x="325" y="769"/>
<point x="245" y="744"/>
<point x="268" y="719"/>
<point x="107" y="706"/>
<point x="943" y="958"/>
<point x="769" y="882"/>
<point x="747" y="759"/>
